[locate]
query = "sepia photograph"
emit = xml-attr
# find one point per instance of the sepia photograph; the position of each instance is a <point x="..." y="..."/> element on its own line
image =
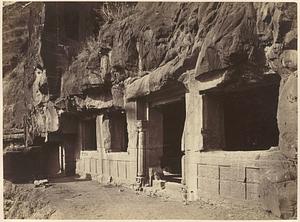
<point x="134" y="110"/>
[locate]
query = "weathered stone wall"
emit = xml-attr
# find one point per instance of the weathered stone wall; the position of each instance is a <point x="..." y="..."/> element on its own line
<point x="287" y="117"/>
<point x="220" y="173"/>
<point x="105" y="165"/>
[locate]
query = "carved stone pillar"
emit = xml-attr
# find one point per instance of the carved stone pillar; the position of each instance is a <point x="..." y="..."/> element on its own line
<point x="141" y="146"/>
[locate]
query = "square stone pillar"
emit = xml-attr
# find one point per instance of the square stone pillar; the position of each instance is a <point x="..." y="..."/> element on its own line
<point x="192" y="141"/>
<point x="192" y="137"/>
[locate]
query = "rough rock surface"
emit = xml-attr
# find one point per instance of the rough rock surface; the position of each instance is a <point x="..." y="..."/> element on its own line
<point x="230" y="40"/>
<point x="21" y="202"/>
<point x="288" y="117"/>
<point x="22" y="30"/>
<point x="207" y="37"/>
<point x="278" y="187"/>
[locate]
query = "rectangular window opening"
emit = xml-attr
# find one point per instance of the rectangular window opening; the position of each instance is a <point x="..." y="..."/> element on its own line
<point x="250" y="119"/>
<point x="118" y="130"/>
<point x="89" y="141"/>
<point x="241" y="120"/>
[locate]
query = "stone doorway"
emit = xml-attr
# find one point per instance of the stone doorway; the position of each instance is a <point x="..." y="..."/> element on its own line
<point x="173" y="124"/>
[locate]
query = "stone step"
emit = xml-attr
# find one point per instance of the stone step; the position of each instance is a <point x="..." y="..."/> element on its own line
<point x="173" y="186"/>
<point x="173" y="190"/>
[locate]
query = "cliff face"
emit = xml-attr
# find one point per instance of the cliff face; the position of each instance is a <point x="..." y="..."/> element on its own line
<point x="107" y="44"/>
<point x="22" y="29"/>
<point x="244" y="42"/>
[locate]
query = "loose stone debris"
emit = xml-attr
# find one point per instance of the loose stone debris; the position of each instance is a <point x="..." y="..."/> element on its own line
<point x="40" y="183"/>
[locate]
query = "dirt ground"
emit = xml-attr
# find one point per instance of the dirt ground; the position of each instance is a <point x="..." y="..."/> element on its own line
<point x="68" y="198"/>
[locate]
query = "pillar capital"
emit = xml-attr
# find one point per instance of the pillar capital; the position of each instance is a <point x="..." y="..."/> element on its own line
<point x="141" y="125"/>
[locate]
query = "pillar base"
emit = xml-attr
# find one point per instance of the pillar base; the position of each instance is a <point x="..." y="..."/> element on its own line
<point x="140" y="180"/>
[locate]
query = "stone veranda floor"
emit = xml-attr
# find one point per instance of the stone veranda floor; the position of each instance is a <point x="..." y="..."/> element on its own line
<point x="68" y="198"/>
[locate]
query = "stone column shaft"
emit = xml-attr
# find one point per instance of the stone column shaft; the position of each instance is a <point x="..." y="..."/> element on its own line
<point x="141" y="145"/>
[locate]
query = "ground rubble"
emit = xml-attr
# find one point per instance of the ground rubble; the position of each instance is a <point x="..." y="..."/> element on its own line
<point x="23" y="201"/>
<point x="91" y="200"/>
